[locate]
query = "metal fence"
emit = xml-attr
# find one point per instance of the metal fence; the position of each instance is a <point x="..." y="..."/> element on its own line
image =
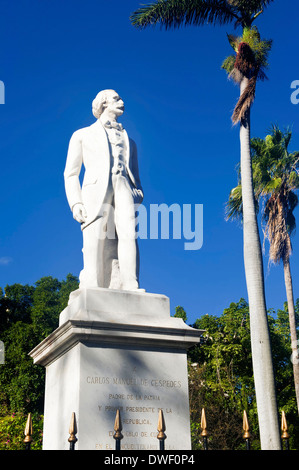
<point x="161" y="428"/>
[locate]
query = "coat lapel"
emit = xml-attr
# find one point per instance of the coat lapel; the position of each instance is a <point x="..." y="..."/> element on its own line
<point x="100" y="139"/>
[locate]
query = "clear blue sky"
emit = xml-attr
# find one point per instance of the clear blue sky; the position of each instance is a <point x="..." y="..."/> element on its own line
<point x="54" y="58"/>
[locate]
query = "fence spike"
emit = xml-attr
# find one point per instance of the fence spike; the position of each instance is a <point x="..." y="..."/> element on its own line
<point x="28" y="432"/>
<point x="161" y="430"/>
<point x="73" y="431"/>
<point x="203" y="425"/>
<point x="117" y="428"/>
<point x="246" y="435"/>
<point x="284" y="427"/>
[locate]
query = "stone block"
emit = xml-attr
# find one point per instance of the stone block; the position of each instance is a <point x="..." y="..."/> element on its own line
<point x="117" y="350"/>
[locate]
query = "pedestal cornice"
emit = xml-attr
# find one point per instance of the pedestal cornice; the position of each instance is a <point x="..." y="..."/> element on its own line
<point x="104" y="333"/>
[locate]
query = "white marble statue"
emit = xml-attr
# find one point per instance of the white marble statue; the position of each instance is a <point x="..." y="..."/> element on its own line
<point x="110" y="193"/>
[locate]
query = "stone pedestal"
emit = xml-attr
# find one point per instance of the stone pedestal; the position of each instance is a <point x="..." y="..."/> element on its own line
<point x="116" y="350"/>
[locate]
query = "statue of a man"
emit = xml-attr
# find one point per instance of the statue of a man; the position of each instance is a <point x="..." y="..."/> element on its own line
<point x="110" y="192"/>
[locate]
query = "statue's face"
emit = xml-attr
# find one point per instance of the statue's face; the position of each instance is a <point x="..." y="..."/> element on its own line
<point x="115" y="104"/>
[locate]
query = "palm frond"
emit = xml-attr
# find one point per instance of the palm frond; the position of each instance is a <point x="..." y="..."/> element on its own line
<point x="275" y="183"/>
<point x="258" y="146"/>
<point x="274" y="172"/>
<point x="234" y="41"/>
<point x="290" y="218"/>
<point x="251" y="7"/>
<point x="234" y="206"/>
<point x="176" y="13"/>
<point x="256" y="5"/>
<point x="293" y="179"/>
<point x="281" y="137"/>
<point x="229" y="64"/>
<point x="245" y="101"/>
<point x="276" y="229"/>
<point x="249" y="10"/>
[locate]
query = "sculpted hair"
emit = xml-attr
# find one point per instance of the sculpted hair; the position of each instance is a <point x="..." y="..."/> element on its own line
<point x="98" y="104"/>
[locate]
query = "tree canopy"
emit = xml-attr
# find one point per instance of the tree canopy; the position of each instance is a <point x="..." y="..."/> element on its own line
<point x="28" y="314"/>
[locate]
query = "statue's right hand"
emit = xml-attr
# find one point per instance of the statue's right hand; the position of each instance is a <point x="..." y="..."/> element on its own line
<point x="79" y="212"/>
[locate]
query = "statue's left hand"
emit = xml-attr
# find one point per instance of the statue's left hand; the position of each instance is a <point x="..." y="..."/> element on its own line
<point x="138" y="194"/>
<point x="79" y="213"/>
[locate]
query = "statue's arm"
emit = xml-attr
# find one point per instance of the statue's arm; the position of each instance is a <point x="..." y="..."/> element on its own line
<point x="135" y="168"/>
<point x="72" y="170"/>
<point x="71" y="177"/>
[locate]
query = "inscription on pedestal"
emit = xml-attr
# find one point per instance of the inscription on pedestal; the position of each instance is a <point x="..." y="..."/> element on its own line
<point x="139" y="399"/>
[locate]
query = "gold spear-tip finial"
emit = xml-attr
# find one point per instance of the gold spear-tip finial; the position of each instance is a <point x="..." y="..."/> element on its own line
<point x="246" y="434"/>
<point x="28" y="430"/>
<point x="161" y="426"/>
<point x="203" y="423"/>
<point x="117" y="426"/>
<point x="73" y="429"/>
<point x="284" y="426"/>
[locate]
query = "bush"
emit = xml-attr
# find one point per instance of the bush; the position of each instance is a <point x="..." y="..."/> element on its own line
<point x="12" y="432"/>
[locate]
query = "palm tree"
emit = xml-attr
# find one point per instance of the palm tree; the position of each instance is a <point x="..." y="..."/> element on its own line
<point x="276" y="181"/>
<point x="246" y="67"/>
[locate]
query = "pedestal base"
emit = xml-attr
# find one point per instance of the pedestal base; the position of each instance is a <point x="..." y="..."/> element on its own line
<point x="116" y="350"/>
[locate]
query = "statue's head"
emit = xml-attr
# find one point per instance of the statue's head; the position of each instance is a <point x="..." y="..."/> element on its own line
<point x="107" y="99"/>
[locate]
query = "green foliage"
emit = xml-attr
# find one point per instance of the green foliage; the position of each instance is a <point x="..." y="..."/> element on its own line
<point x="261" y="48"/>
<point x="221" y="377"/>
<point x="66" y="287"/>
<point x="12" y="432"/>
<point x="276" y="184"/>
<point x="228" y="64"/>
<point x="180" y="313"/>
<point x="273" y="164"/>
<point x="15" y="305"/>
<point x="20" y="380"/>
<point x="227" y="351"/>
<point x="177" y="13"/>
<point x="49" y="298"/>
<point x="27" y="315"/>
<point x="274" y="168"/>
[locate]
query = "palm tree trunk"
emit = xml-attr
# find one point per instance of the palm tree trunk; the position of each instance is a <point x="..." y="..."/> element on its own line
<point x="259" y="328"/>
<point x="292" y="321"/>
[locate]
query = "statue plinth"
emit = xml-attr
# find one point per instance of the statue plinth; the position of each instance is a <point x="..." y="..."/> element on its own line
<point x="116" y="350"/>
